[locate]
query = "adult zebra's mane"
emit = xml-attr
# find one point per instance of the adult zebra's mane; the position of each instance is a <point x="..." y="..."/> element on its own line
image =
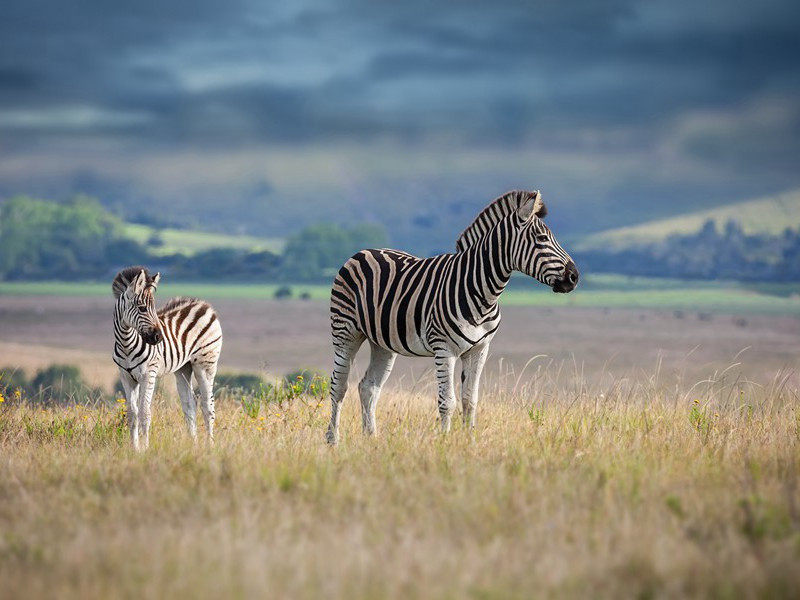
<point x="489" y="216"/>
<point x="126" y="276"/>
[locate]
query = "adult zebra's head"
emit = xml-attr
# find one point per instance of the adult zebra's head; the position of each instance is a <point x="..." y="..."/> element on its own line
<point x="537" y="252"/>
<point x="134" y="288"/>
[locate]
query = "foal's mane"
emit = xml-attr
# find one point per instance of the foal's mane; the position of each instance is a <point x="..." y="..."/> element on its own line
<point x="498" y="209"/>
<point x="124" y="278"/>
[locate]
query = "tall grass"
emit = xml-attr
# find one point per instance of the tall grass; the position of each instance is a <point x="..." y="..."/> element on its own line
<point x="630" y="487"/>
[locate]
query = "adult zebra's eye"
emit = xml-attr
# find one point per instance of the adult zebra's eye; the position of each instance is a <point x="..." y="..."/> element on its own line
<point x="541" y="238"/>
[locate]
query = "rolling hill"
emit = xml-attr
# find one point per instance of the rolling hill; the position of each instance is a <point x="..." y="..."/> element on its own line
<point x="769" y="214"/>
<point x="191" y="242"/>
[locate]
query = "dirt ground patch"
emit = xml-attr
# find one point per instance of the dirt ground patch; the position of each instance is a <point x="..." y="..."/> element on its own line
<point x="276" y="337"/>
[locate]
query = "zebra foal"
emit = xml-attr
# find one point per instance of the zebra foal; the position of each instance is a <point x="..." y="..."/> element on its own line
<point x="183" y="337"/>
<point x="445" y="306"/>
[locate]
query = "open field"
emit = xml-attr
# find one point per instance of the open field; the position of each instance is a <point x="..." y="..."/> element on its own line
<point x="191" y="242"/>
<point x="564" y="490"/>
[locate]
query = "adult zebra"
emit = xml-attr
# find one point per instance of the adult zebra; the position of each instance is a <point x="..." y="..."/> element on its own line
<point x="444" y="306"/>
<point x="184" y="337"/>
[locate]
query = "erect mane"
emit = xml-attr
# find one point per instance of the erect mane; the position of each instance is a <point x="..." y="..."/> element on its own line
<point x="126" y="276"/>
<point x="490" y="216"/>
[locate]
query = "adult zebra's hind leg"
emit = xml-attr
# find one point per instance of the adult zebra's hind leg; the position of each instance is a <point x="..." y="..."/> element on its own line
<point x="183" y="378"/>
<point x="380" y="366"/>
<point x="344" y="349"/>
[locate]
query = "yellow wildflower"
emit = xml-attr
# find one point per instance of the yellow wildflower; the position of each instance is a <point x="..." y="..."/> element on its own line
<point x="2" y="399"/>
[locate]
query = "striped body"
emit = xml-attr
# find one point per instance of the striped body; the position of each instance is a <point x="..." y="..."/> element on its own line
<point x="183" y="337"/>
<point x="191" y="333"/>
<point x="415" y="306"/>
<point x="445" y="306"/>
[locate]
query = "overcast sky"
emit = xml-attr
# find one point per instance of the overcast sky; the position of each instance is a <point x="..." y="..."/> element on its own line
<point x="601" y="103"/>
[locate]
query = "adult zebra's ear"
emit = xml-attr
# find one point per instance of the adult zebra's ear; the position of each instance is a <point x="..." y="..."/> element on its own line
<point x="156" y="279"/>
<point x="533" y="205"/>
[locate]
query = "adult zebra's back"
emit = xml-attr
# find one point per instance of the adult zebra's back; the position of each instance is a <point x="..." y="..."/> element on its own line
<point x="183" y="337"/>
<point x="444" y="306"/>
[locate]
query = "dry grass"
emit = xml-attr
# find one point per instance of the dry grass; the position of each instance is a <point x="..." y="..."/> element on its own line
<point x="633" y="490"/>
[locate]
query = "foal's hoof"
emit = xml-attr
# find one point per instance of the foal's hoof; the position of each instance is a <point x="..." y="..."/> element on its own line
<point x="332" y="437"/>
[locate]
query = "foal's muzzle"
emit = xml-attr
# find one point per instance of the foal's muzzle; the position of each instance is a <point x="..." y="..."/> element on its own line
<point x="152" y="336"/>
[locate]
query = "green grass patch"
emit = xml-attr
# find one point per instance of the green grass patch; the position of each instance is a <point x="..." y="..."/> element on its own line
<point x="236" y="291"/>
<point x="174" y="241"/>
<point x="598" y="291"/>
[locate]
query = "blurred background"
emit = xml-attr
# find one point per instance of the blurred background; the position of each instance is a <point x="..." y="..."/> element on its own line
<point x="259" y="144"/>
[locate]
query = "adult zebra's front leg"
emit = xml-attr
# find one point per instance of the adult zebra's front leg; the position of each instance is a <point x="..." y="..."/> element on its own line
<point x="472" y="366"/>
<point x="445" y="368"/>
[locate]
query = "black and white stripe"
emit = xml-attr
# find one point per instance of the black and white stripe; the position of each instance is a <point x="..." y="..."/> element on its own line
<point x="183" y="337"/>
<point x="445" y="306"/>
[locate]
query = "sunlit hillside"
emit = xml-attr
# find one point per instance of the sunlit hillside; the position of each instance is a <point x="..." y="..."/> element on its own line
<point x="188" y="242"/>
<point x="767" y="215"/>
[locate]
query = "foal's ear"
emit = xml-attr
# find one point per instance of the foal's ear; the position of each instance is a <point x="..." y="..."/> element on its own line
<point x="534" y="205"/>
<point x="137" y="285"/>
<point x="156" y="279"/>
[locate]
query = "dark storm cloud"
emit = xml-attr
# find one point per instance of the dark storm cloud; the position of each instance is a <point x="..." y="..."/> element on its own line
<point x="713" y="82"/>
<point x="461" y="68"/>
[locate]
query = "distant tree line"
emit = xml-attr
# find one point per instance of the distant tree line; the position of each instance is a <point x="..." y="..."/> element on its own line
<point x="81" y="239"/>
<point x="707" y="254"/>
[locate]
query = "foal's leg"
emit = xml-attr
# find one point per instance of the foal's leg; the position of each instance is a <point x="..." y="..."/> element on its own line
<point x="131" y="387"/>
<point x="205" y="381"/>
<point x="183" y="378"/>
<point x="145" y="402"/>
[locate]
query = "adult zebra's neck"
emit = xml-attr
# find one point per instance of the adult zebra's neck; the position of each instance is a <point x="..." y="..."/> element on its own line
<point x="485" y="269"/>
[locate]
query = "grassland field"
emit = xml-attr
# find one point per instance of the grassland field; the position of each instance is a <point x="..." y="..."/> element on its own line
<point x="644" y="449"/>
<point x="564" y="490"/>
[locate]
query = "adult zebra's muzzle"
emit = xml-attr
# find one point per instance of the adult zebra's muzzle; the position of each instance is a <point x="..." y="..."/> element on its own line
<point x="569" y="280"/>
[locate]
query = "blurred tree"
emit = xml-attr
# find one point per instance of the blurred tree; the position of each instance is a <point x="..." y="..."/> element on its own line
<point x="47" y="239"/>
<point x="317" y="251"/>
